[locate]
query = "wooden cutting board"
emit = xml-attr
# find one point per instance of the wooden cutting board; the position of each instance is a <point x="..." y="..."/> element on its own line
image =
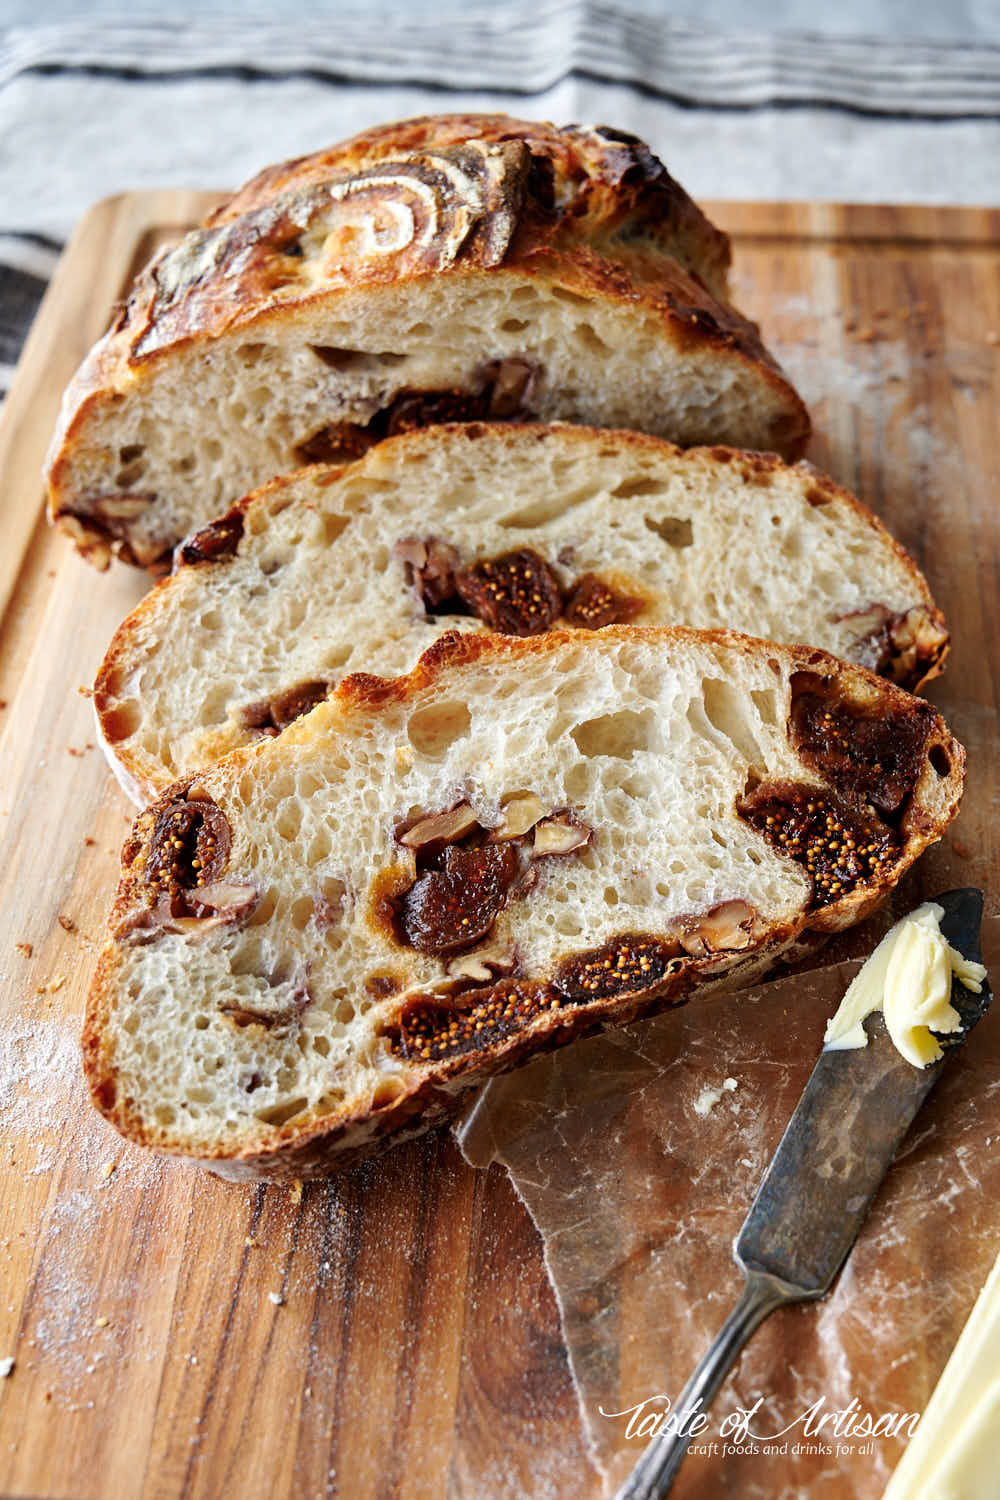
<point x="392" y="1332"/>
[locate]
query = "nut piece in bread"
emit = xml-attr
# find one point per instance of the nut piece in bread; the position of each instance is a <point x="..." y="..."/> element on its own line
<point x="333" y="571"/>
<point x="315" y="948"/>
<point x="445" y="269"/>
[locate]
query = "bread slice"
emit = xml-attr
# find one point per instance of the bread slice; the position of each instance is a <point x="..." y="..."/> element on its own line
<point x="448" y="269"/>
<point x="331" y="571"/>
<point x="325" y="938"/>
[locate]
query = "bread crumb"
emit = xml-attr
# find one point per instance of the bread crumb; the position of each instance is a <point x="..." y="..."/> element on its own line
<point x="108" y="1169"/>
<point x="251" y="1244"/>
<point x="101" y="1323"/>
<point x="709" y="1098"/>
<point x="85" y="692"/>
<point x="295" y="1191"/>
<point x="54" y="985"/>
<point x="26" y="949"/>
<point x="72" y="750"/>
<point x="276" y="1298"/>
<point x="66" y="923"/>
<point x="6" y="1365"/>
<point x="89" y="842"/>
<point x="308" y="1393"/>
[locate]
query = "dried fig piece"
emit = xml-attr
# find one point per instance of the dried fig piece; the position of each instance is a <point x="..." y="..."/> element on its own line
<point x="295" y="701"/>
<point x="840" y="844"/>
<point x="428" y="1030"/>
<point x="441" y="828"/>
<point x="337" y="443"/>
<point x="878" y="758"/>
<point x="560" y="834"/>
<point x="270" y="715"/>
<point x="633" y="961"/>
<point x="593" y="603"/>
<point x="214" y="542"/>
<point x="455" y="907"/>
<point x="413" y="409"/>
<point x="189" y="849"/>
<point x="430" y="565"/>
<point x="515" y="594"/>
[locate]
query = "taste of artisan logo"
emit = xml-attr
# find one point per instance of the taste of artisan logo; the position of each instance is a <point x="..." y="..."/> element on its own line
<point x="817" y="1429"/>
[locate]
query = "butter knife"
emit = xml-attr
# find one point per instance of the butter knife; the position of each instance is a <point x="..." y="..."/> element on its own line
<point x="815" y="1195"/>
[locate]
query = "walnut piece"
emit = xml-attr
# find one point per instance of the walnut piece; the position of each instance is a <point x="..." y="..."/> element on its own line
<point x="441" y="828"/>
<point x="560" y="834"/>
<point x="519" y="816"/>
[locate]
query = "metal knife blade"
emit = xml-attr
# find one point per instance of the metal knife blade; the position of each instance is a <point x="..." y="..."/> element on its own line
<point x="811" y="1204"/>
<point x="846" y="1129"/>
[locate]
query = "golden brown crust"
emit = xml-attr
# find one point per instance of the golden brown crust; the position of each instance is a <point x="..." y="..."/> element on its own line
<point x="314" y="1145"/>
<point x="592" y="212"/>
<point x="606" y="184"/>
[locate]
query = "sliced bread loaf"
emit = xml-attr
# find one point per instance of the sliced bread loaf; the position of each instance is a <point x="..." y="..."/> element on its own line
<point x="331" y="571"/>
<point x="438" y="270"/>
<point x="322" y="940"/>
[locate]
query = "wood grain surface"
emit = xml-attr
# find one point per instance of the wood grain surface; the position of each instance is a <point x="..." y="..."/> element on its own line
<point x="391" y="1332"/>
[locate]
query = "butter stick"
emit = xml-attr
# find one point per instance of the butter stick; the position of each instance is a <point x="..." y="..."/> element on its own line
<point x="954" y="1452"/>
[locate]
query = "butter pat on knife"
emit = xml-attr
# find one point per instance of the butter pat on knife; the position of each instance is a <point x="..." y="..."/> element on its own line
<point x="908" y="978"/>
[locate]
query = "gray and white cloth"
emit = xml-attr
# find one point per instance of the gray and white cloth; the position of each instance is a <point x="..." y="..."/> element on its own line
<point x="92" y="108"/>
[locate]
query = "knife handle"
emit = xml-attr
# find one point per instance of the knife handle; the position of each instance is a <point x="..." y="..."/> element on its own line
<point x="654" y="1474"/>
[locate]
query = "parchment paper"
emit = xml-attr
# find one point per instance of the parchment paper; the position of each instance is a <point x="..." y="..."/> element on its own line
<point x="638" y="1184"/>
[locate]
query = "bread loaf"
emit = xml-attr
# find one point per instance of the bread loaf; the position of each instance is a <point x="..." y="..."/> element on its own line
<point x="332" y="571"/>
<point x="455" y="268"/>
<point x="324" y="939"/>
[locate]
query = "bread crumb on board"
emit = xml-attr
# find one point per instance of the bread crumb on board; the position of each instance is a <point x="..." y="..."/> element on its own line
<point x="6" y="1366"/>
<point x="26" y="949"/>
<point x="276" y="1298"/>
<point x="709" y="1098"/>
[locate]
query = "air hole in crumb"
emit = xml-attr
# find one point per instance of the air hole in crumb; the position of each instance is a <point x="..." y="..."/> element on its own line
<point x="630" y="488"/>
<point x="563" y="294"/>
<point x="610" y="896"/>
<point x="280" y="1114"/>
<point x="591" y="339"/>
<point x="386" y="1092"/>
<point x="122" y="721"/>
<point x="264" y="910"/>
<point x="514" y="325"/>
<point x="676" y="531"/>
<point x="726" y="713"/>
<point x="201" y="1023"/>
<point x="617" y="735"/>
<point x="302" y="912"/>
<point x="433" y="730"/>
<point x="940" y="760"/>
<point x="321" y="1044"/>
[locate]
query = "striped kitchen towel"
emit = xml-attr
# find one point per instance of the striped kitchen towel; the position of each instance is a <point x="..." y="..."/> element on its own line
<point x="88" y="109"/>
